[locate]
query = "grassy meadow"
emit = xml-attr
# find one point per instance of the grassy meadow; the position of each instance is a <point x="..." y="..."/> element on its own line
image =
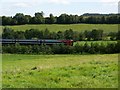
<point x="62" y="27"/>
<point x="60" y="71"/>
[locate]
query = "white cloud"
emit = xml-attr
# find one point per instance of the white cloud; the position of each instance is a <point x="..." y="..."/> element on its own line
<point x="110" y="1"/>
<point x="102" y="1"/>
<point x="36" y="1"/>
<point x="29" y="3"/>
<point x="23" y="0"/>
<point x="59" y="1"/>
<point x="24" y="5"/>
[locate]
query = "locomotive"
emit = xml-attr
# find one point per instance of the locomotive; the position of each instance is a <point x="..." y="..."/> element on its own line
<point x="36" y="42"/>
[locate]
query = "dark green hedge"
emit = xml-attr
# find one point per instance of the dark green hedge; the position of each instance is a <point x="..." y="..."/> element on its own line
<point x="94" y="48"/>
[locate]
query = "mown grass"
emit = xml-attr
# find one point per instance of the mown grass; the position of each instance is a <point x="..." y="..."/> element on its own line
<point x="62" y="27"/>
<point x="60" y="71"/>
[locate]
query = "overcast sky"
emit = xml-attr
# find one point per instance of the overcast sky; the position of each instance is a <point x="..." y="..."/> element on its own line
<point x="57" y="7"/>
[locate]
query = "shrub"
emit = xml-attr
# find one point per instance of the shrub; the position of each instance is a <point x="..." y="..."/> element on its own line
<point x="94" y="48"/>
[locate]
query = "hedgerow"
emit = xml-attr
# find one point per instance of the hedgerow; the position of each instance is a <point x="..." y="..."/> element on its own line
<point x="92" y="48"/>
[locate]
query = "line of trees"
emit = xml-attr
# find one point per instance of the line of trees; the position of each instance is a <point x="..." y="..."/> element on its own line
<point x="94" y="35"/>
<point x="38" y="18"/>
<point x="93" y="48"/>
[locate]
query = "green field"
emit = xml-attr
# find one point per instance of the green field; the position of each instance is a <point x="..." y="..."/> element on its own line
<point x="63" y="27"/>
<point x="60" y="71"/>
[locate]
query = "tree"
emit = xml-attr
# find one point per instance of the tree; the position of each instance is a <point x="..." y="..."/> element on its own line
<point x="103" y="20"/>
<point x="117" y="47"/>
<point x="112" y="35"/>
<point x="46" y="34"/>
<point x="53" y="35"/>
<point x="68" y="34"/>
<point x="90" y="19"/>
<point x="110" y="48"/>
<point x="6" y="20"/>
<point x="33" y="33"/>
<point x="78" y="48"/>
<point x="81" y="36"/>
<point x="14" y="22"/>
<point x="60" y="35"/>
<point x="27" y="19"/>
<point x="52" y="19"/>
<point x="40" y="34"/>
<point x="80" y="19"/>
<point x="20" y="18"/>
<point x="19" y="35"/>
<point x="62" y="19"/>
<point x="8" y="33"/>
<point x="39" y="19"/>
<point x="75" y="35"/>
<point x="76" y="20"/>
<point x="118" y="35"/>
<point x="86" y="47"/>
<point x="96" y="34"/>
<point x="102" y="48"/>
<point x="87" y="35"/>
<point x="92" y="49"/>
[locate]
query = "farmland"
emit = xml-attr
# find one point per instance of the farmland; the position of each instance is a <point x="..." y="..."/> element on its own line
<point x="38" y="51"/>
<point x="62" y="27"/>
<point x="60" y="71"/>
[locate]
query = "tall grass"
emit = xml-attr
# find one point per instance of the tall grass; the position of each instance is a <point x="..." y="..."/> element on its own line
<point x="60" y="71"/>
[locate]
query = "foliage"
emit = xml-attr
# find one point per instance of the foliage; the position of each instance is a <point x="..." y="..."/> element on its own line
<point x="39" y="18"/>
<point x="89" y="48"/>
<point x="67" y="34"/>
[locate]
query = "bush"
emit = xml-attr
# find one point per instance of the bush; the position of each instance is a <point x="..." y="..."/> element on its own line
<point x="78" y="48"/>
<point x="86" y="48"/>
<point x="102" y="48"/>
<point x="94" y="48"/>
<point x="61" y="49"/>
<point x="91" y="50"/>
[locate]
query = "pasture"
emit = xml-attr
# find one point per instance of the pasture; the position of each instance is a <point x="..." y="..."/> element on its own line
<point x="60" y="71"/>
<point x="62" y="27"/>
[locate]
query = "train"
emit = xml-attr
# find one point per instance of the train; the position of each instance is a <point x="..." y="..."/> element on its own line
<point x="36" y="41"/>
